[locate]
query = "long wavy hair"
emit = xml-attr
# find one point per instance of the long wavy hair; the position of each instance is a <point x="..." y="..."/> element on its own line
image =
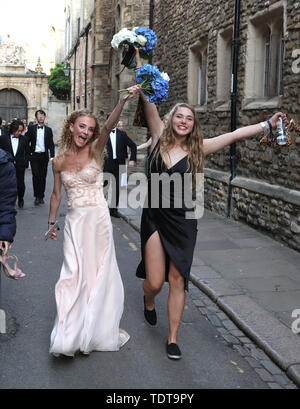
<point x="193" y="142"/>
<point x="65" y="142"/>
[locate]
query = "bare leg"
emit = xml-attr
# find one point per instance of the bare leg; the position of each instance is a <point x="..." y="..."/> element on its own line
<point x="155" y="269"/>
<point x="176" y="302"/>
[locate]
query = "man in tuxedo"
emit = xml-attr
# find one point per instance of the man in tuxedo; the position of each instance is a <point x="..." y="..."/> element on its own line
<point x="40" y="138"/>
<point x="16" y="144"/>
<point x="116" y="154"/>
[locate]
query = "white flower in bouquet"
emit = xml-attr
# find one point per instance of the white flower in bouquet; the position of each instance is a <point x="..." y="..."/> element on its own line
<point x="165" y="76"/>
<point x="142" y="40"/>
<point x="121" y="36"/>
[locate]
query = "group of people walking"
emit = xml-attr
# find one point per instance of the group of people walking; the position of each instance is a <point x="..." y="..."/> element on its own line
<point x="34" y="146"/>
<point x="89" y="293"/>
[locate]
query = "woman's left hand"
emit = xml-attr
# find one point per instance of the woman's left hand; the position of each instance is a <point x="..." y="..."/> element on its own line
<point x="275" y="118"/>
<point x="54" y="234"/>
<point x="132" y="92"/>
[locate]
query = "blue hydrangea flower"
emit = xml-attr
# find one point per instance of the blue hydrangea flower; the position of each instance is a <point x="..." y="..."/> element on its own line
<point x="150" y="36"/>
<point x="154" y="86"/>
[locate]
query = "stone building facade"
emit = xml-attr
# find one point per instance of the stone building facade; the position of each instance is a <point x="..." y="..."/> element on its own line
<point x="24" y="91"/>
<point x="38" y="28"/>
<point x="16" y="78"/>
<point x="27" y="53"/>
<point x="95" y="71"/>
<point x="195" y="48"/>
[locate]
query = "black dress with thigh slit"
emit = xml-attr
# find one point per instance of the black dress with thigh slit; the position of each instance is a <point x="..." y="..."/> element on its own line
<point x="165" y="213"/>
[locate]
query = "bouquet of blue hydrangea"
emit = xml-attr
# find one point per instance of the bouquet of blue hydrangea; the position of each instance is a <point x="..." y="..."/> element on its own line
<point x="127" y="40"/>
<point x="146" y="39"/>
<point x="155" y="84"/>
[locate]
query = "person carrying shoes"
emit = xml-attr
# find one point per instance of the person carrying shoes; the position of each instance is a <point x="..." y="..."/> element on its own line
<point x="8" y="197"/>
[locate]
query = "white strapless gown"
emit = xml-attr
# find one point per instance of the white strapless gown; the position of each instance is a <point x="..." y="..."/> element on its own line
<point x="89" y="294"/>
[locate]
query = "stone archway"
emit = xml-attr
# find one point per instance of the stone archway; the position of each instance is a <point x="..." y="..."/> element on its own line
<point x="13" y="104"/>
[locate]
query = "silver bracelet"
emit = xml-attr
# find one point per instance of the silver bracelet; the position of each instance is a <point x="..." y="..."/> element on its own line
<point x="265" y="128"/>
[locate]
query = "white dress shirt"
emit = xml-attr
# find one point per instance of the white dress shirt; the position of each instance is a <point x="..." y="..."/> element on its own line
<point x="113" y="136"/>
<point x="40" y="140"/>
<point x="14" y="144"/>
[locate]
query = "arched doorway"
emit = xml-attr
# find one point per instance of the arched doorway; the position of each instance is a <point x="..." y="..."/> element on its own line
<point x="12" y="104"/>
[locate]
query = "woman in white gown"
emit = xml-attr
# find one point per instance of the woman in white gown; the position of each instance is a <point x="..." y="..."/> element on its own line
<point x="89" y="293"/>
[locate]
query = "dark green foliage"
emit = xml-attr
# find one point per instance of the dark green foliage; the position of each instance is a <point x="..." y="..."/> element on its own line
<point x="59" y="83"/>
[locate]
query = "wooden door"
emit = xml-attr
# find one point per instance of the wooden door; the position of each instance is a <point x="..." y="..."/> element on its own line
<point x="12" y="105"/>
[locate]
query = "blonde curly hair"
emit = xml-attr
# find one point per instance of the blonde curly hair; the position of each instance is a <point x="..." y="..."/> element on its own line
<point x="67" y="136"/>
<point x="193" y="142"/>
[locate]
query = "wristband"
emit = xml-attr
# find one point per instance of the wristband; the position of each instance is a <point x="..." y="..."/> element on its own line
<point x="271" y="130"/>
<point x="270" y="125"/>
<point x="265" y="128"/>
<point x="51" y="223"/>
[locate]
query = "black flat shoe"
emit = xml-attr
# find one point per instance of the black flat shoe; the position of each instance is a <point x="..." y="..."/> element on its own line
<point x="173" y="351"/>
<point x="150" y="315"/>
<point x="114" y="213"/>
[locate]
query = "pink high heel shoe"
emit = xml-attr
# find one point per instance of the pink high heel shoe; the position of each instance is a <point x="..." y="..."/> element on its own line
<point x="10" y="272"/>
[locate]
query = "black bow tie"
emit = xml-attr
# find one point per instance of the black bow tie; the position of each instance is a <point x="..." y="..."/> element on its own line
<point x="113" y="131"/>
<point x="15" y="137"/>
<point x="40" y="127"/>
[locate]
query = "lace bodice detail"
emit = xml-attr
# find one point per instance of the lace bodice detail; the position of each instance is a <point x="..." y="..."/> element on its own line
<point x="84" y="188"/>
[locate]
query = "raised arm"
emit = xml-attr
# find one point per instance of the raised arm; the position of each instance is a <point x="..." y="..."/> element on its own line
<point x="212" y="145"/>
<point x="155" y="124"/>
<point x="110" y="123"/>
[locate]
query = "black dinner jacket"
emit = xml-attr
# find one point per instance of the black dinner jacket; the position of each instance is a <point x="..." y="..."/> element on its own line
<point x="4" y="131"/>
<point x="48" y="135"/>
<point x="122" y="141"/>
<point x="21" y="158"/>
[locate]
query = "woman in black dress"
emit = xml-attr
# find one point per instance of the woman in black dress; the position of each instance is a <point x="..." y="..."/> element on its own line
<point x="167" y="237"/>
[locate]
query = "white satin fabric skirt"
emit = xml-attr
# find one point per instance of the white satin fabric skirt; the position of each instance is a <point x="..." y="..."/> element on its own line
<point x="89" y="294"/>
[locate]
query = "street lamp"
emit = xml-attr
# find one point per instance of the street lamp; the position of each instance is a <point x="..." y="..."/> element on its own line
<point x="67" y="69"/>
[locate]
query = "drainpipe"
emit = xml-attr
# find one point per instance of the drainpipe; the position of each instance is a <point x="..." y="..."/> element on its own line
<point x="74" y="79"/>
<point x="151" y="24"/>
<point x="151" y="21"/>
<point x="234" y="97"/>
<point x="151" y="16"/>
<point x="86" y="62"/>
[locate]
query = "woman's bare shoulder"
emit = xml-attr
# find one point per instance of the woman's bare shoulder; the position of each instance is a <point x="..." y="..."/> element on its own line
<point x="58" y="162"/>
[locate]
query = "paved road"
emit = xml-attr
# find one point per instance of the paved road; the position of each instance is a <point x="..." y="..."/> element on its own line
<point x="24" y="360"/>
